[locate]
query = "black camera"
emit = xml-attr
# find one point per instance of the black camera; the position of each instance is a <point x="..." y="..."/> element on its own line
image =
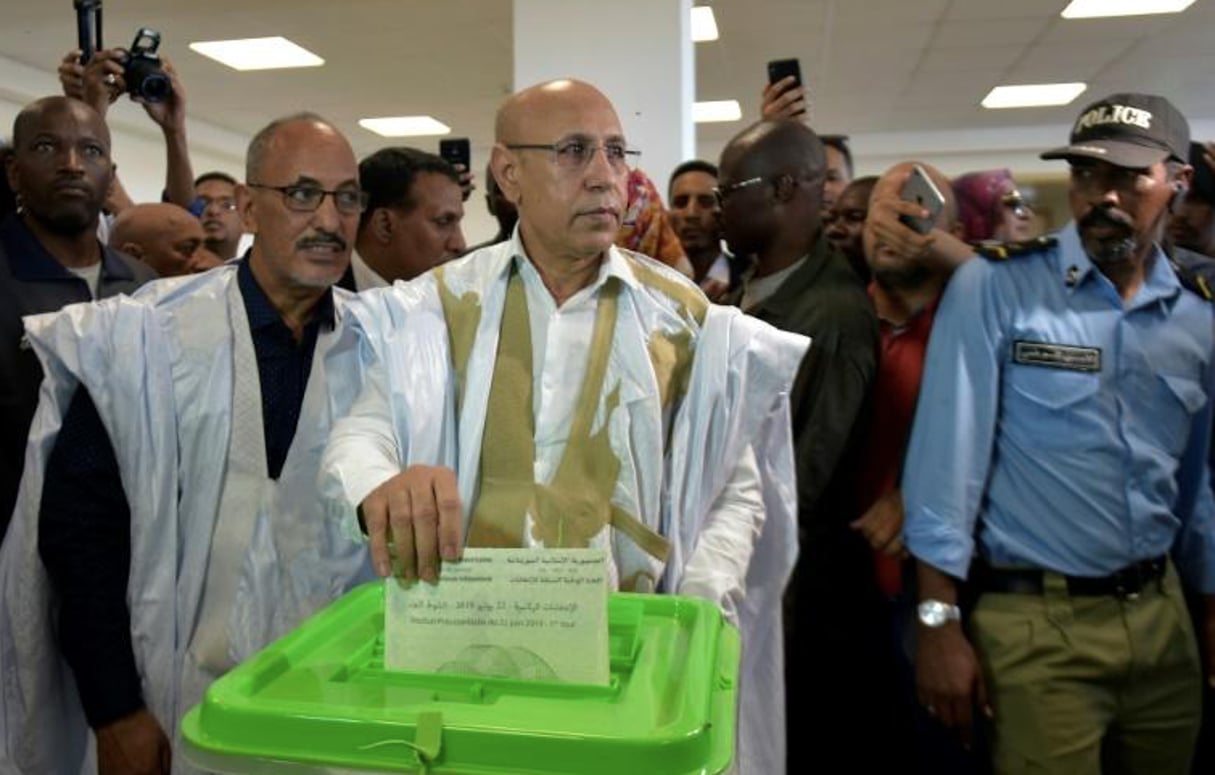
<point x="144" y="75"/>
<point x="142" y="70"/>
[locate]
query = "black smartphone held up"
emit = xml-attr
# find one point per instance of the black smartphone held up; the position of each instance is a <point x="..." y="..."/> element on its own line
<point x="779" y="69"/>
<point x="456" y="151"/>
<point x="920" y="189"/>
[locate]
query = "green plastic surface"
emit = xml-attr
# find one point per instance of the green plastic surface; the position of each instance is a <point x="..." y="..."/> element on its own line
<point x="321" y="697"/>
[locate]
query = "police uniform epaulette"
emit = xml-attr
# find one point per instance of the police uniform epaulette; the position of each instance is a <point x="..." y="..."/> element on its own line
<point x="1194" y="281"/>
<point x="1002" y="251"/>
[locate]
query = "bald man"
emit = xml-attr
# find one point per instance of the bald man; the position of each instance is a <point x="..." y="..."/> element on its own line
<point x="182" y="430"/>
<point x="599" y="401"/>
<point x="60" y="167"/>
<point x="164" y="236"/>
<point x="771" y="191"/>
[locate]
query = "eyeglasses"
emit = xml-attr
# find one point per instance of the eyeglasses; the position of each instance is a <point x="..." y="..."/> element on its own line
<point x="721" y="193"/>
<point x="576" y="154"/>
<point x="1014" y="201"/>
<point x="225" y="203"/>
<point x="303" y="198"/>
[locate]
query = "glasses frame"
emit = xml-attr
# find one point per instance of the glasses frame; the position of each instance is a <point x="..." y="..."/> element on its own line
<point x="722" y="193"/>
<point x="631" y="155"/>
<point x="225" y="203"/>
<point x="1016" y="202"/>
<point x="290" y="204"/>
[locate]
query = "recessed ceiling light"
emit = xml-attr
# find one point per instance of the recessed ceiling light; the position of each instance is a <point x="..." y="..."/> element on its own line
<point x="1032" y="95"/>
<point x="1093" y="9"/>
<point x="704" y="24"/>
<point x="719" y="110"/>
<point x="405" y="126"/>
<point x="257" y="53"/>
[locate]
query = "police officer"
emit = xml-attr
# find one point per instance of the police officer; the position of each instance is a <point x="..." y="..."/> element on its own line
<point x="1058" y="461"/>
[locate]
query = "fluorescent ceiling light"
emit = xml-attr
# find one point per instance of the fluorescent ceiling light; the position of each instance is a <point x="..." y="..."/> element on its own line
<point x="704" y="24"/>
<point x="405" y="126"/>
<point x="1093" y="9"/>
<point x="720" y="110"/>
<point x="1033" y="95"/>
<point x="257" y="53"/>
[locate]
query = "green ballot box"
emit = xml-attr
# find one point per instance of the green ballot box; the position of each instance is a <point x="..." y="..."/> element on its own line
<point x="320" y="700"/>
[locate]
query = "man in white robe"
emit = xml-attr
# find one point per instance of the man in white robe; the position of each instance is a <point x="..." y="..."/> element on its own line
<point x="555" y="391"/>
<point x="179" y="438"/>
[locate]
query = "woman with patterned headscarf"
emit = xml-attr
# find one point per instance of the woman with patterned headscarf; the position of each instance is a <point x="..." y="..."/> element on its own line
<point x="991" y="208"/>
<point x="647" y="228"/>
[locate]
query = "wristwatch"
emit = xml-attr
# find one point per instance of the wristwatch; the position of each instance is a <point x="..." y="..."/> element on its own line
<point x="936" y="613"/>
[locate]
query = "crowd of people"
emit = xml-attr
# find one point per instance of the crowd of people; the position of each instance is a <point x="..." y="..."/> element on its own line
<point x="952" y="483"/>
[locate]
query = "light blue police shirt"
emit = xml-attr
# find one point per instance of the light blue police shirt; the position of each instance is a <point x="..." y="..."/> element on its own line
<point x="1072" y="428"/>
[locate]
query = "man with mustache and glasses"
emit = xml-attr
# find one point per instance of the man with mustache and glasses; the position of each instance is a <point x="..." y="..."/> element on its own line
<point x="1058" y="462"/>
<point x="179" y="440"/>
<point x="557" y="391"/>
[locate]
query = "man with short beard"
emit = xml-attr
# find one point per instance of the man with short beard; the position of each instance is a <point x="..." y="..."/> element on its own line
<point x="179" y="438"/>
<point x="60" y="168"/>
<point x="412" y="220"/>
<point x="215" y="203"/>
<point x="697" y="220"/>
<point x="1061" y="445"/>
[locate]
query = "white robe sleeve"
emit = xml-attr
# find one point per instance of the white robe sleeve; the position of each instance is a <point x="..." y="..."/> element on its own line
<point x="362" y="452"/>
<point x="717" y="569"/>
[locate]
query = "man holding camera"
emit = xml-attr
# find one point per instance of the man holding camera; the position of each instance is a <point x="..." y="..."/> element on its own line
<point x="104" y="78"/>
<point x="1062" y="446"/>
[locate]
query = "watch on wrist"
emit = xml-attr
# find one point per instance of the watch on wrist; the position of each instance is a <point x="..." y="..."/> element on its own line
<point x="937" y="613"/>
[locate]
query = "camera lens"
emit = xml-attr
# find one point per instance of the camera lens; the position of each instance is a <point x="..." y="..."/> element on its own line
<point x="146" y="79"/>
<point x="155" y="87"/>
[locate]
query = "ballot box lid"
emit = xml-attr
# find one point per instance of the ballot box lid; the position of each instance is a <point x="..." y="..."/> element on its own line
<point x="321" y="698"/>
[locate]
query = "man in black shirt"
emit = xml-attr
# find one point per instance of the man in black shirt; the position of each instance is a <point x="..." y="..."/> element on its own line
<point x="179" y="526"/>
<point x="60" y="168"/>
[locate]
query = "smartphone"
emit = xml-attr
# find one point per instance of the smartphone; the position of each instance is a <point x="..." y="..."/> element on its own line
<point x="920" y="189"/>
<point x="779" y="69"/>
<point x="456" y="151"/>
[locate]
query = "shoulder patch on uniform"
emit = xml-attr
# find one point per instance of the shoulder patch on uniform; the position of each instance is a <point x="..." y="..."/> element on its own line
<point x="1002" y="251"/>
<point x="1194" y="281"/>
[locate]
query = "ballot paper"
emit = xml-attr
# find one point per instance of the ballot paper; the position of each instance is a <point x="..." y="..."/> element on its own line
<point x="525" y="614"/>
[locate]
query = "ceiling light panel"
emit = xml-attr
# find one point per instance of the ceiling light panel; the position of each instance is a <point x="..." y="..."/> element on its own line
<point x="257" y="53"/>
<point x="405" y="126"/>
<point x="1096" y="9"/>
<point x="715" y="111"/>
<point x="704" y="24"/>
<point x="1033" y="95"/>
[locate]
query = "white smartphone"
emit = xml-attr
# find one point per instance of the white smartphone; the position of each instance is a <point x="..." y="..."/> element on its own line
<point x="920" y="189"/>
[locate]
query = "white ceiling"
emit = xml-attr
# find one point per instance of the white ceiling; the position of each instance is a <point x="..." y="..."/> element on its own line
<point x="875" y="66"/>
